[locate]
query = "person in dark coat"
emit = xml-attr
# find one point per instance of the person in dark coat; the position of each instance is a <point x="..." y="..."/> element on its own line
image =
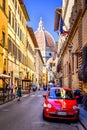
<point x="19" y="92"/>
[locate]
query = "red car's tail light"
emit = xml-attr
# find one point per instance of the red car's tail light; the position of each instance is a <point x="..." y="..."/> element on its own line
<point x="75" y="107"/>
<point x="47" y="105"/>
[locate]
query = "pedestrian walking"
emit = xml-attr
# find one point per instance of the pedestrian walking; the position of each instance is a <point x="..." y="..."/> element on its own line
<point x="12" y="87"/>
<point x="16" y="91"/>
<point x="19" y="92"/>
<point x="58" y="85"/>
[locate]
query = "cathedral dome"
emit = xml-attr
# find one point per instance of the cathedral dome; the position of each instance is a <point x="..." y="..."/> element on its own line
<point x="44" y="38"/>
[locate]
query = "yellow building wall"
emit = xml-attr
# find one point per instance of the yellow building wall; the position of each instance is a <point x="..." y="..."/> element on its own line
<point x="18" y="68"/>
<point x="3" y="28"/>
<point x="30" y="58"/>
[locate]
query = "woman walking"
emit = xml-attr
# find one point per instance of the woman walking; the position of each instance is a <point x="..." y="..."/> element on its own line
<point x="19" y="92"/>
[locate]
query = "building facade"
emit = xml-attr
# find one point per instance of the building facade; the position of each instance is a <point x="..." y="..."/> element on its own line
<point x="17" y="18"/>
<point x="39" y="62"/>
<point x="3" y="37"/>
<point x="34" y="59"/>
<point x="71" y="51"/>
<point x="17" y="46"/>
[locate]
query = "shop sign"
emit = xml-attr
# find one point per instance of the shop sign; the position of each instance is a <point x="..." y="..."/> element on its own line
<point x="16" y="75"/>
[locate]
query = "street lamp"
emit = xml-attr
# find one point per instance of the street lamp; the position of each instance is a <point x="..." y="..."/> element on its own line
<point x="70" y="48"/>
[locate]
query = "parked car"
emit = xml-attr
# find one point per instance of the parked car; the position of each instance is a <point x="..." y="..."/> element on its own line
<point x="60" y="103"/>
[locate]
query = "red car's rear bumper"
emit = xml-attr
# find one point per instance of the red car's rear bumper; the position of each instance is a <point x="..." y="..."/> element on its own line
<point x="54" y="115"/>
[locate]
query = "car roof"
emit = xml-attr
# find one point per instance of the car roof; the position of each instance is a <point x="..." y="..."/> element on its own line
<point x="59" y="88"/>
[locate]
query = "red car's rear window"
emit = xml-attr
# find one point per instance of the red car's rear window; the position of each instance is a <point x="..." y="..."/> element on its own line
<point x="61" y="94"/>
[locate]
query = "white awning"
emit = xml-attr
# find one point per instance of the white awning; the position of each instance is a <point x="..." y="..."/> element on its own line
<point x="4" y="76"/>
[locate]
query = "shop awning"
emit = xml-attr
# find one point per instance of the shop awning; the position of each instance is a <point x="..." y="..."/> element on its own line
<point x="26" y="80"/>
<point x="4" y="76"/>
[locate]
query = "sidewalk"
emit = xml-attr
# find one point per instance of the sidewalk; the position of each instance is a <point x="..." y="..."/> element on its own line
<point x="83" y="116"/>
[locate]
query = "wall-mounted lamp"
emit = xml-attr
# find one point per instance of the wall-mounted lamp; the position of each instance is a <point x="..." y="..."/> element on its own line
<point x="70" y="46"/>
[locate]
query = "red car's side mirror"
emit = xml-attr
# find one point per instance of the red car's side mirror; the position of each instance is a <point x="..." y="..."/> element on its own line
<point x="44" y="95"/>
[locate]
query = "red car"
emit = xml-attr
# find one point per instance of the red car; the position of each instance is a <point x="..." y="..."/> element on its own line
<point x="60" y="103"/>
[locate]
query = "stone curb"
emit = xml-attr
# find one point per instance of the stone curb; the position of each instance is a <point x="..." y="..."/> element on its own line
<point x="83" y="124"/>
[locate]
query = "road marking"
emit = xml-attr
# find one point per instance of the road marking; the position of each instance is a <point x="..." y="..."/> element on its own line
<point x="32" y="95"/>
<point x="5" y="110"/>
<point x="25" y="95"/>
<point x="41" y="122"/>
<point x="39" y="95"/>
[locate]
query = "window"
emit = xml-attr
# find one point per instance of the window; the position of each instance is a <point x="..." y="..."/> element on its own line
<point x="13" y="1"/>
<point x="4" y="61"/>
<point x="3" y="5"/>
<point x="61" y="94"/>
<point x="19" y="55"/>
<point x="9" y="45"/>
<point x="77" y="62"/>
<point x="72" y="63"/>
<point x="9" y="15"/>
<point x="18" y="31"/>
<point x="16" y="4"/>
<point x="14" y="49"/>
<point x="50" y="54"/>
<point x="20" y="16"/>
<point x="13" y="21"/>
<point x="18" y="10"/>
<point x="3" y="39"/>
<point x="15" y="26"/>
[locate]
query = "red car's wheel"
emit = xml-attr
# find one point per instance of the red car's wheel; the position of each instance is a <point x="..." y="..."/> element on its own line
<point x="44" y="116"/>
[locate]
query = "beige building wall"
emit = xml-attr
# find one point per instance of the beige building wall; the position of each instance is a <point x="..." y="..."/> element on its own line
<point x="30" y="55"/>
<point x="66" y="11"/>
<point x="39" y="68"/>
<point x="67" y="57"/>
<point x="84" y="29"/>
<point x="77" y="38"/>
<point x="84" y="38"/>
<point x="35" y="64"/>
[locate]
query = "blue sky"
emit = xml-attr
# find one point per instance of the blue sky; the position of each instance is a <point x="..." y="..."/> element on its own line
<point x="44" y="9"/>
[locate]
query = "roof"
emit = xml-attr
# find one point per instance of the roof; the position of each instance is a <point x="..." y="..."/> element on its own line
<point x="31" y="32"/>
<point x="24" y="9"/>
<point x="58" y="12"/>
